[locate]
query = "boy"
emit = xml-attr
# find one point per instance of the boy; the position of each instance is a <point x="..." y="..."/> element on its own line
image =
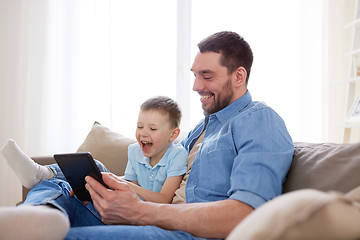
<point x="155" y="163"/>
<point x="155" y="167"/>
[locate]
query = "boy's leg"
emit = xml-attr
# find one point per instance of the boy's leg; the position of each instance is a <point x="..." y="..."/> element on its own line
<point x="55" y="193"/>
<point x="29" y="172"/>
<point x="57" y="173"/>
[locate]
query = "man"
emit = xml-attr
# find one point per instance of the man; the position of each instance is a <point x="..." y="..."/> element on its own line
<point x="242" y="161"/>
<point x="239" y="155"/>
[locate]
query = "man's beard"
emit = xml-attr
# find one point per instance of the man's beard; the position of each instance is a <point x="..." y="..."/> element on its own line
<point x="222" y="102"/>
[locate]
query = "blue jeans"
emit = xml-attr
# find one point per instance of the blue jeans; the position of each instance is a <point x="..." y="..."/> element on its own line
<point x="86" y="221"/>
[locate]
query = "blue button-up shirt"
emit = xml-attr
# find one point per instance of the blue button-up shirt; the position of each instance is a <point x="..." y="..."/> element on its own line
<point x="245" y="154"/>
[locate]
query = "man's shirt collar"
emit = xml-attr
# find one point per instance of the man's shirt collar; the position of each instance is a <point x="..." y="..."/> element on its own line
<point x="226" y="113"/>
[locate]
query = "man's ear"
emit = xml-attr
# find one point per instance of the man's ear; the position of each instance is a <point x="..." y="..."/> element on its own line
<point x="175" y="133"/>
<point x="240" y="75"/>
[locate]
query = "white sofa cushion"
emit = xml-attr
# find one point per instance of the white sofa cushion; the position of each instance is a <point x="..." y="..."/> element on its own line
<point x="304" y="214"/>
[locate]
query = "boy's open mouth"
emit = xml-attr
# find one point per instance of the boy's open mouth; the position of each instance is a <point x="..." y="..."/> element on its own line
<point x="146" y="145"/>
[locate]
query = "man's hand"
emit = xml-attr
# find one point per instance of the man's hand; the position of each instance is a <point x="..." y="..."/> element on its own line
<point x="121" y="205"/>
<point x="117" y="205"/>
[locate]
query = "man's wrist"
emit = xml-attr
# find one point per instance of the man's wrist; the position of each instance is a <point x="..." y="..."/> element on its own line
<point x="152" y="214"/>
<point x="144" y="214"/>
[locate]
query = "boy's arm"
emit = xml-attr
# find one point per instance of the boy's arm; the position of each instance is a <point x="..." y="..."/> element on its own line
<point x="166" y="194"/>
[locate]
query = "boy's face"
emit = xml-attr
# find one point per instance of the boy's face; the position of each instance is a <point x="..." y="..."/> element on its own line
<point x="154" y="133"/>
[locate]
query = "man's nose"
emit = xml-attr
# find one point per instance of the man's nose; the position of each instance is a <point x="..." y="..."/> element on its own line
<point x="197" y="86"/>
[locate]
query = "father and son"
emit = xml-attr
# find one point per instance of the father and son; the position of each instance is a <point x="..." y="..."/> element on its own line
<point x="232" y="162"/>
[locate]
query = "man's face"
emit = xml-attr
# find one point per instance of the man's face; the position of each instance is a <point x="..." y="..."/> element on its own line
<point x="212" y="82"/>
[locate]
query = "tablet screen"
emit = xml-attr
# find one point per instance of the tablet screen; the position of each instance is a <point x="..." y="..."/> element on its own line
<point x="76" y="166"/>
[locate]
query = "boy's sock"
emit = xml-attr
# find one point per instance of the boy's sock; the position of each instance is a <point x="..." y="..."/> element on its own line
<point x="29" y="172"/>
<point x="33" y="223"/>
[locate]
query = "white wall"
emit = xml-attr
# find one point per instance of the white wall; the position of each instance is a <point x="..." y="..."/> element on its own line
<point x="338" y="40"/>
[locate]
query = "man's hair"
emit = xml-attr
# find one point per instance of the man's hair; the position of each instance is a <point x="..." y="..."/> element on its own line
<point x="164" y="105"/>
<point x="234" y="50"/>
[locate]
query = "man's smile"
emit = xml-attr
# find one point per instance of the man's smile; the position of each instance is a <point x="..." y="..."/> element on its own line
<point x="205" y="97"/>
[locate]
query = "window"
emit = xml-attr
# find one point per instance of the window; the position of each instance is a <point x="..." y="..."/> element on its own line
<point x="286" y="73"/>
<point x="143" y="55"/>
<point x="286" y="39"/>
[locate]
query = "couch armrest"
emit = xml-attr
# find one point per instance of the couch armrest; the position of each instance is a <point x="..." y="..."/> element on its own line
<point x="42" y="160"/>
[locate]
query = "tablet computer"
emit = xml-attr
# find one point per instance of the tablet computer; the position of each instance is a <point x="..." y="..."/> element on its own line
<point x="76" y="166"/>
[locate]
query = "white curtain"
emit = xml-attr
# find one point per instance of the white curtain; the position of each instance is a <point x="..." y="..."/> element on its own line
<point x="65" y="64"/>
<point x="55" y="72"/>
<point x="22" y="39"/>
<point x="55" y="77"/>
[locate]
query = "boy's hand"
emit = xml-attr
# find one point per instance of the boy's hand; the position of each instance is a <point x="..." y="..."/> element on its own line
<point x="71" y="194"/>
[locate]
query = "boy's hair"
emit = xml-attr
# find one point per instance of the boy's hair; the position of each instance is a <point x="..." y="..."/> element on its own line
<point x="235" y="51"/>
<point x="165" y="105"/>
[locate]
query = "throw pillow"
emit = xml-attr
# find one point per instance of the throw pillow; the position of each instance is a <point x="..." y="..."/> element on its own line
<point x="108" y="147"/>
<point x="304" y="214"/>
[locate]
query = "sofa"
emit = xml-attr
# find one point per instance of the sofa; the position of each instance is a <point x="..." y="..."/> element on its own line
<point x="321" y="194"/>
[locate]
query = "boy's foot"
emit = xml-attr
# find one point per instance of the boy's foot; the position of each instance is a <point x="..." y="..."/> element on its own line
<point x="32" y="223"/>
<point x="29" y="172"/>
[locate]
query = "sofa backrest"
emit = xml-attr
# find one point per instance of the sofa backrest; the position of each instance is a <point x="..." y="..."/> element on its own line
<point x="324" y="166"/>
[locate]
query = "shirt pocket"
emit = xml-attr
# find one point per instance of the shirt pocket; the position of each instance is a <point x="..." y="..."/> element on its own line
<point x="216" y="166"/>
